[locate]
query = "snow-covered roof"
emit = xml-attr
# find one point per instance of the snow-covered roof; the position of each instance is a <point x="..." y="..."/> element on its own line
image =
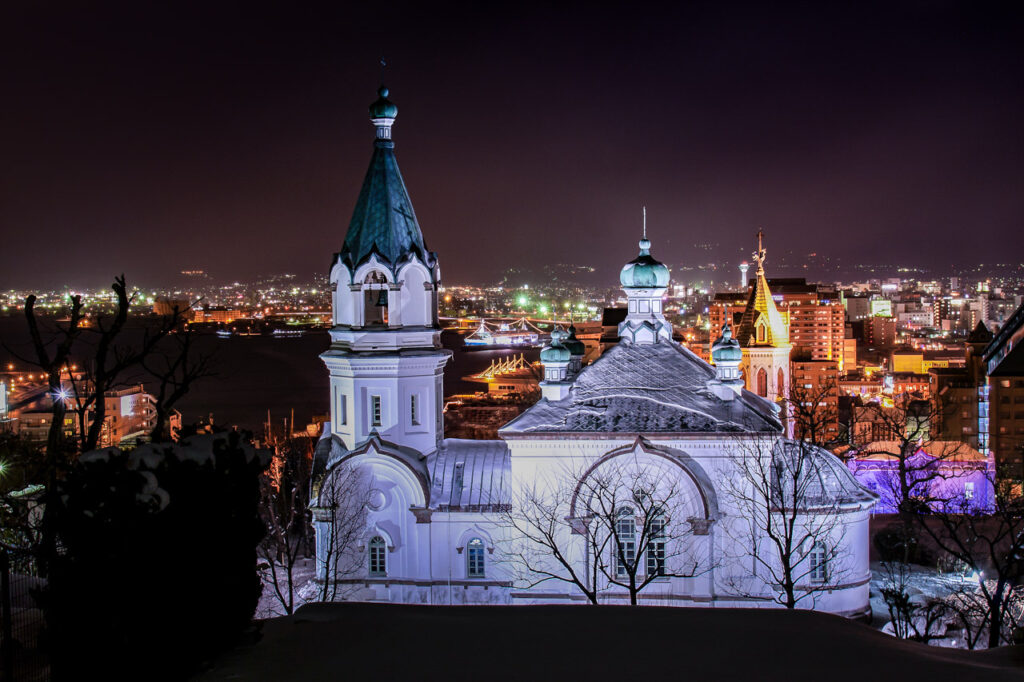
<point x="659" y="387"/>
<point x="888" y="450"/>
<point x="469" y="475"/>
<point x="822" y="479"/>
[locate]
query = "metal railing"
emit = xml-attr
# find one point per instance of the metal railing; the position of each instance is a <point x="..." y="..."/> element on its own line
<point x="22" y="658"/>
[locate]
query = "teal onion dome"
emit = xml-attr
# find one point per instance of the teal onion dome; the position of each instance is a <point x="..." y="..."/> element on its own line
<point x="574" y="345"/>
<point x="383" y="107"/>
<point x="555" y="351"/>
<point x="644" y="272"/>
<point x="726" y="348"/>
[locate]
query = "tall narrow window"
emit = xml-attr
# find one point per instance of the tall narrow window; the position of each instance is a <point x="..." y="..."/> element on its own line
<point x="378" y="557"/>
<point x="625" y="542"/>
<point x="475" y="558"/>
<point x="342" y="409"/>
<point x="762" y="383"/>
<point x="375" y="412"/>
<point x="656" y="547"/>
<point x="819" y="563"/>
<point x="414" y="412"/>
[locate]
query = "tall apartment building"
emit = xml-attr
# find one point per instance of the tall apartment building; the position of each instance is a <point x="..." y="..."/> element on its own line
<point x="816" y="317"/>
<point x="1004" y="360"/>
<point x="815" y="384"/>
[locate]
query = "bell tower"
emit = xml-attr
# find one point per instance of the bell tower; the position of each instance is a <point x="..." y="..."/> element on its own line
<point x="764" y="336"/>
<point x="385" y="358"/>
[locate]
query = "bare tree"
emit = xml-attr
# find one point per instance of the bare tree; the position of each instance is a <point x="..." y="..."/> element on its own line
<point x="990" y="542"/>
<point x="920" y="621"/>
<point x="340" y="507"/>
<point x="899" y="432"/>
<point x="283" y="496"/>
<point x="814" y="412"/>
<point x="624" y="522"/>
<point x="175" y="371"/>
<point x="54" y="366"/>
<point x="543" y="546"/>
<point x="788" y="521"/>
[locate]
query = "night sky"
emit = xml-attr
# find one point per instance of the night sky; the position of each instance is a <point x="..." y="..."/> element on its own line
<point x="156" y="137"/>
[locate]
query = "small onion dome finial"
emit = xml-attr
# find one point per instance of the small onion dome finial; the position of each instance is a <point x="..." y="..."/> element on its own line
<point x="383" y="107"/>
<point x="555" y="351"/>
<point x="726" y="348"/>
<point x="644" y="271"/>
<point x="574" y="345"/>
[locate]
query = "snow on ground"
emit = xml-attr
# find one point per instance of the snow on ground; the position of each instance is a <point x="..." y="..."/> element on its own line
<point x="302" y="576"/>
<point x="923" y="584"/>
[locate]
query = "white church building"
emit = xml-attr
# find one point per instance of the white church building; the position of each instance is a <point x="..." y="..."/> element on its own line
<point x="436" y="522"/>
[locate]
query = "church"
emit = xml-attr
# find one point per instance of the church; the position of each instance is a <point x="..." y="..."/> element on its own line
<point x="445" y="521"/>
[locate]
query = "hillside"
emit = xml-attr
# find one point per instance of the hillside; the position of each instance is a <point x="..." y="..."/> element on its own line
<point x="385" y="642"/>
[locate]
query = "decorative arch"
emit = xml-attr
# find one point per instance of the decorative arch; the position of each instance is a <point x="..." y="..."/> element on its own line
<point x="475" y="531"/>
<point x="415" y="294"/>
<point x="693" y="471"/>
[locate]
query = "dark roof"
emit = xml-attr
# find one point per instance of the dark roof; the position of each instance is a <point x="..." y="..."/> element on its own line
<point x="383" y="221"/>
<point x="981" y="334"/>
<point x="611" y="317"/>
<point x="791" y="285"/>
<point x="732" y="296"/>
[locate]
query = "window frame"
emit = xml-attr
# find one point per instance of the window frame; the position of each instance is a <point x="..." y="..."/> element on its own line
<point x="377" y="550"/>
<point x="476" y="562"/>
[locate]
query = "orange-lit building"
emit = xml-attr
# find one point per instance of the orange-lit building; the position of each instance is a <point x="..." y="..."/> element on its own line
<point x="815" y="383"/>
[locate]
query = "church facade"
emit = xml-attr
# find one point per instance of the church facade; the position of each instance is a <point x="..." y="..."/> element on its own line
<point x="441" y="520"/>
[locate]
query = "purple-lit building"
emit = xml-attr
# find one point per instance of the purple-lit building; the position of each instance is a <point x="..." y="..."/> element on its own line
<point x="946" y="473"/>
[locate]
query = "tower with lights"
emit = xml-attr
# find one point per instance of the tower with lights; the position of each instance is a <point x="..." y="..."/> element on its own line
<point x="744" y="266"/>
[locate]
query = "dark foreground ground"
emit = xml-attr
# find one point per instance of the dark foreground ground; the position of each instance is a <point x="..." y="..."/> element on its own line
<point x="398" y="642"/>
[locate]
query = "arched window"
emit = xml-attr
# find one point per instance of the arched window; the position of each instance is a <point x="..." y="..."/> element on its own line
<point x="762" y="383"/>
<point x="782" y="384"/>
<point x="625" y="542"/>
<point x="378" y="557"/>
<point x="475" y="558"/>
<point x="762" y="335"/>
<point x="375" y="299"/>
<point x="656" y="546"/>
<point x="819" y="563"/>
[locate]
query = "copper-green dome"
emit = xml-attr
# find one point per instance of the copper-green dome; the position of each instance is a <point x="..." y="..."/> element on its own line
<point x="383" y="107"/>
<point x="555" y="351"/>
<point x="644" y="272"/>
<point x="574" y="345"/>
<point x="726" y="348"/>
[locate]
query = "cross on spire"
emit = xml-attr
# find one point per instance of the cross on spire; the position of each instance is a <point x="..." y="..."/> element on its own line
<point x="760" y="255"/>
<point x="645" y="222"/>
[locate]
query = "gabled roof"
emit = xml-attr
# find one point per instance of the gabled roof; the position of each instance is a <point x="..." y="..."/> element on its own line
<point x="383" y="221"/>
<point x="654" y="388"/>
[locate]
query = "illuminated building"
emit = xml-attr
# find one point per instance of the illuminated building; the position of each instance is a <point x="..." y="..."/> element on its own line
<point x="744" y="266"/>
<point x="816" y="383"/>
<point x="435" y="511"/>
<point x="763" y="332"/>
<point x="1004" y="360"/>
<point x="960" y="395"/>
